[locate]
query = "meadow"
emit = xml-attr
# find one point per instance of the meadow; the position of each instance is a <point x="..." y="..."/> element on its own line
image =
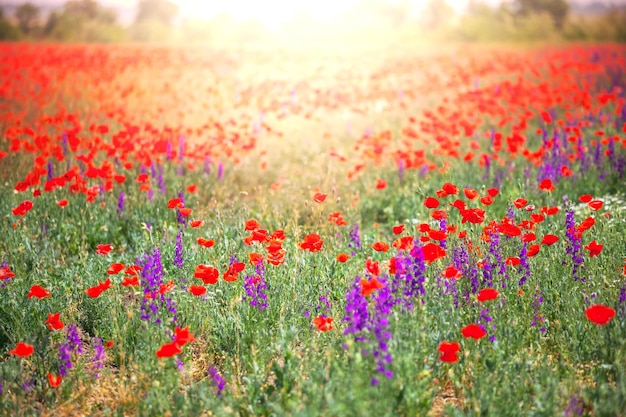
<point x="326" y="231"/>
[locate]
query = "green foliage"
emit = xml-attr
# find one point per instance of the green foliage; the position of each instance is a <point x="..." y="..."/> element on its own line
<point x="8" y="32"/>
<point x="27" y="16"/>
<point x="161" y="11"/>
<point x="556" y="9"/>
<point x="84" y="21"/>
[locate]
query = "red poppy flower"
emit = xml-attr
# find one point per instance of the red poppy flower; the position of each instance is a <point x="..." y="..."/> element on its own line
<point x="432" y="252"/>
<point x="54" y="380"/>
<point x="585" y="198"/>
<point x="423" y="227"/>
<point x="431" y="202"/>
<point x="252" y="225"/>
<point x="207" y="273"/>
<point x="381" y="184"/>
<point x="312" y="242"/>
<point x="174" y="203"/>
<point x="115" y="268"/>
<point x="54" y="321"/>
<point x="451" y="273"/>
<point x="367" y="287"/>
<point x="319" y="197"/>
<point x="94" y="292"/>
<point x="437" y="235"/>
<point x="6" y="273"/>
<point x="470" y="193"/>
<point x="182" y="336"/>
<point x="133" y="270"/>
<point x="380" y="247"/>
<point x="343" y="257"/>
<point x="207" y="243"/>
<point x="487" y="294"/>
<point x="184" y="211"/>
<point x="594" y="248"/>
<point x="103" y="249"/>
<point x="38" y="291"/>
<point x="487" y="200"/>
<point x="192" y="188"/>
<point x="168" y="350"/>
<point x="398" y="229"/>
<point x="546" y="185"/>
<point x="372" y="267"/>
<point x="449" y="351"/>
<point x="23" y="350"/>
<point x="509" y="230"/>
<point x="197" y="290"/>
<point x="109" y="344"/>
<point x="513" y="261"/>
<point x="196" y="223"/>
<point x="255" y="258"/>
<point x="474" y="331"/>
<point x="23" y="208"/>
<point x="595" y="204"/>
<point x="493" y="192"/>
<point x="600" y="314"/>
<point x="404" y="243"/>
<point x="166" y="287"/>
<point x="549" y="239"/>
<point x="533" y="250"/>
<point x="130" y="281"/>
<point x="520" y="202"/>
<point x="62" y="203"/>
<point x="323" y="323"/>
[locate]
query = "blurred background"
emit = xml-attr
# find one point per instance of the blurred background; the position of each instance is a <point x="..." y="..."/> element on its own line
<point x="286" y="22"/>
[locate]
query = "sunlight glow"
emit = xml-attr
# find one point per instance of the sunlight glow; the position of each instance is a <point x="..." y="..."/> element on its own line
<point x="274" y="13"/>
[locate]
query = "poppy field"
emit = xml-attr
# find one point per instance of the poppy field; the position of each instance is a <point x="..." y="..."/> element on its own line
<point x="334" y="232"/>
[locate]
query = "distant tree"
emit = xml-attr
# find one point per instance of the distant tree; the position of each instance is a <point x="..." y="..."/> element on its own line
<point x="8" y="32"/>
<point x="557" y="9"/>
<point x="84" y="20"/>
<point x="27" y="16"/>
<point x="436" y="14"/>
<point x="87" y="9"/>
<point x="154" y="20"/>
<point x="161" y="11"/>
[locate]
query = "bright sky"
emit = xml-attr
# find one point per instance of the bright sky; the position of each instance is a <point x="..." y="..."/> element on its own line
<point x="275" y="12"/>
<point x="272" y="13"/>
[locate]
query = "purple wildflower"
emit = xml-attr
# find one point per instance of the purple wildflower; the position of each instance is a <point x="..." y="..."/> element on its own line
<point x="98" y="357"/>
<point x="364" y="320"/>
<point x="255" y="286"/>
<point x="220" y="171"/>
<point x="621" y="303"/>
<point x="494" y="251"/>
<point x="484" y="319"/>
<point x="355" y="239"/>
<point x="151" y="281"/>
<point x="574" y="244"/>
<point x="443" y="227"/>
<point x="537" y="319"/>
<point x="523" y="258"/>
<point x="218" y="380"/>
<point x="120" y="203"/>
<point x="179" y="217"/>
<point x="575" y="407"/>
<point x="28" y="385"/>
<point x="178" y="250"/>
<point x="161" y="180"/>
<point x="72" y="345"/>
<point x="50" y="170"/>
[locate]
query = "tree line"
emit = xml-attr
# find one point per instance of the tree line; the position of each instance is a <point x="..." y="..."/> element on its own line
<point x="158" y="21"/>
